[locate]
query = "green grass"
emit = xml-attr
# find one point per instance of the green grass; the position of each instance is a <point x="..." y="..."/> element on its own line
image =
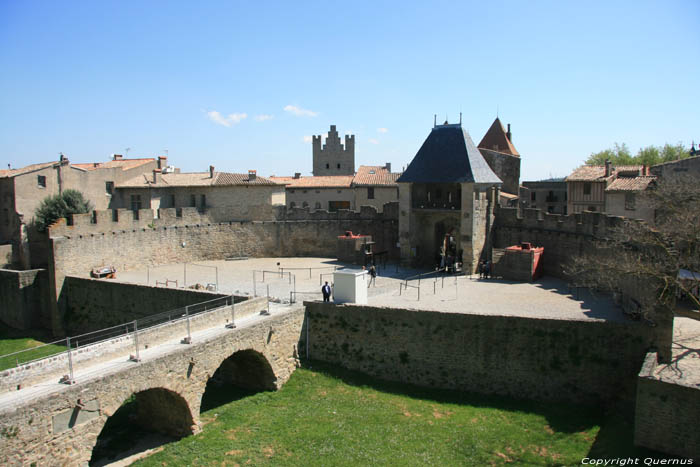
<point x="329" y="416"/>
<point x="12" y="340"/>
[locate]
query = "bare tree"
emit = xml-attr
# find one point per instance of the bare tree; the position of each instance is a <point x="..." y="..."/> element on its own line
<point x="648" y="258"/>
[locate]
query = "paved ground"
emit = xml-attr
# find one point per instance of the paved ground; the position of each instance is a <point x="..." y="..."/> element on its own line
<point x="546" y="298"/>
<point x="685" y="365"/>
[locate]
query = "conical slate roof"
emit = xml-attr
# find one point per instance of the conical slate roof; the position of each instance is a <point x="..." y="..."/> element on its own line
<point x="496" y="139"/>
<point x="448" y="155"/>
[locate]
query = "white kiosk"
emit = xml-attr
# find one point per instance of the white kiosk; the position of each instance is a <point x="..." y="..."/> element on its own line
<point x="350" y="286"/>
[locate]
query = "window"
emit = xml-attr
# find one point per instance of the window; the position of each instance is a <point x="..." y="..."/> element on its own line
<point x="338" y="165"/>
<point x="41" y="181"/>
<point x="172" y="201"/>
<point x="193" y="201"/>
<point x="318" y="205"/>
<point x="629" y="201"/>
<point x="109" y="188"/>
<point x="533" y="196"/>
<point x="203" y="202"/>
<point x="328" y="166"/>
<point x="587" y="188"/>
<point x="135" y="202"/>
<point x="370" y="192"/>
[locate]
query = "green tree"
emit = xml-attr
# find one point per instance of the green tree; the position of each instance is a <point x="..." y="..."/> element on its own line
<point x="55" y="207"/>
<point x="618" y="155"/>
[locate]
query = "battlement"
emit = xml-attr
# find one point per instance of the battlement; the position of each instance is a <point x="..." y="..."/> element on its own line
<point x="593" y="224"/>
<point x="333" y="157"/>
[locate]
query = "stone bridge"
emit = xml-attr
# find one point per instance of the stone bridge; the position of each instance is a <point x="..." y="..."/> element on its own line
<point x="59" y="424"/>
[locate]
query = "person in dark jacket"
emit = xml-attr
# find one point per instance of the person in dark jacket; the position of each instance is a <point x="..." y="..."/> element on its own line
<point x="326" y="290"/>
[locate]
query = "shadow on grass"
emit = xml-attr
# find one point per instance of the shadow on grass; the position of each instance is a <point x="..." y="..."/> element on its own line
<point x="216" y="395"/>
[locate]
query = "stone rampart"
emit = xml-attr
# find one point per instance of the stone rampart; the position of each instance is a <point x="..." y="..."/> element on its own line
<point x="667" y="413"/>
<point x="91" y="304"/>
<point x="108" y="349"/>
<point x="24" y="298"/>
<point x="588" y="362"/>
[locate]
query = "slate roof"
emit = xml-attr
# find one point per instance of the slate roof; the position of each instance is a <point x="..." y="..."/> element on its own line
<point x="7" y="173"/>
<point x="593" y="173"/>
<point x="448" y="155"/>
<point x="630" y="184"/>
<point x="373" y="175"/>
<point x="496" y="139"/>
<point x="194" y="179"/>
<point x="124" y="164"/>
<point x="321" y="181"/>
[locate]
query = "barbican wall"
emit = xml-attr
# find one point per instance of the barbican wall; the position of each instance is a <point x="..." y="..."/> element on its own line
<point x="588" y="362"/>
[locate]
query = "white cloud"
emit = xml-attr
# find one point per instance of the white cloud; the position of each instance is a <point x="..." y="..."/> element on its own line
<point x="373" y="141"/>
<point x="230" y="119"/>
<point x="299" y="112"/>
<point x="307" y="139"/>
<point x="263" y="117"/>
<point x="382" y="130"/>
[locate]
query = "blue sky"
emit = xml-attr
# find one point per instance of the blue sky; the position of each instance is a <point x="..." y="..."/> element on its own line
<point x="242" y="85"/>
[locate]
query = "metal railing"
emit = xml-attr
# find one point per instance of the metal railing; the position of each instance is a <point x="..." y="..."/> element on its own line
<point x="87" y="342"/>
<point x="310" y="269"/>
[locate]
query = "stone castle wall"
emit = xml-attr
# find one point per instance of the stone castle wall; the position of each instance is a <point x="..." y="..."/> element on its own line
<point x="506" y="166"/>
<point x="24" y="298"/>
<point x="587" y="362"/>
<point x="667" y="414"/>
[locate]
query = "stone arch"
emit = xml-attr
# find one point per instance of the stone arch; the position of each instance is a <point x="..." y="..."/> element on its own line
<point x="155" y="409"/>
<point x="246" y="369"/>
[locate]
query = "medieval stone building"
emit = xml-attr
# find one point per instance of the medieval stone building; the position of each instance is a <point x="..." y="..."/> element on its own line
<point x="446" y="200"/>
<point x="497" y="148"/>
<point x="333" y="158"/>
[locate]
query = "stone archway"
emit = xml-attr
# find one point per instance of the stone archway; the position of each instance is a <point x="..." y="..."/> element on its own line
<point x="243" y="373"/>
<point x="152" y="411"/>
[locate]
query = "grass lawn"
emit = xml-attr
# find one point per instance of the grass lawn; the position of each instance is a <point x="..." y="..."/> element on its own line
<point x="329" y="416"/>
<point x="12" y="340"/>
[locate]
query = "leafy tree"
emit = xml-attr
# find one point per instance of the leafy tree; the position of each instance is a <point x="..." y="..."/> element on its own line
<point x="618" y="155"/>
<point x="55" y="207"/>
<point x="651" y="257"/>
<point x="650" y="155"/>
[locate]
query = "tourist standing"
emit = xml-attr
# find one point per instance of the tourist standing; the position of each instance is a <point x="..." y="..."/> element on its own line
<point x="326" y="290"/>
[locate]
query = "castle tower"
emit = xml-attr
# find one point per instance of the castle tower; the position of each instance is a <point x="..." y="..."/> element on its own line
<point x="333" y="158"/>
<point x="446" y="199"/>
<point x="500" y="154"/>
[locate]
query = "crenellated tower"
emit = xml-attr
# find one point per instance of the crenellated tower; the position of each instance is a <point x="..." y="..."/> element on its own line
<point x="333" y="158"/>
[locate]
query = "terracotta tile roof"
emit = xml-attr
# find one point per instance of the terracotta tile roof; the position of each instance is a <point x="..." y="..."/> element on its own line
<point x="630" y="184"/>
<point x="592" y="173"/>
<point x="193" y="179"/>
<point x="124" y="164"/>
<point x="323" y="181"/>
<point x="371" y="175"/>
<point x="7" y="173"/>
<point x="496" y="139"/>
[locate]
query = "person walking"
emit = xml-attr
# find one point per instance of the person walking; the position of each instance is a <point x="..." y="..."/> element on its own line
<point x="326" y="290"/>
<point x="372" y="276"/>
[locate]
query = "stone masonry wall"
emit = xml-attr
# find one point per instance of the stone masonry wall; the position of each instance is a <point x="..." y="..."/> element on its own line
<point x="24" y="298"/>
<point x="53" y="430"/>
<point x="91" y="304"/>
<point x="667" y="414"/>
<point x="587" y="362"/>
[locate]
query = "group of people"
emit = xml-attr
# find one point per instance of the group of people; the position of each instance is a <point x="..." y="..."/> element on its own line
<point x="484" y="269"/>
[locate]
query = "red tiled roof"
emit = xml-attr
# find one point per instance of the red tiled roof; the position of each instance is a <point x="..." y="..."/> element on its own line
<point x="370" y="175"/>
<point x="592" y="173"/>
<point x="630" y="184"/>
<point x="496" y="139"/>
<point x="323" y="181"/>
<point x="194" y="179"/>
<point x="124" y="164"/>
<point x="7" y="173"/>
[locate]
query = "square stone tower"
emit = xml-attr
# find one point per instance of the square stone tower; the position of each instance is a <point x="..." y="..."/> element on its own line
<point x="446" y="199"/>
<point x="332" y="158"/>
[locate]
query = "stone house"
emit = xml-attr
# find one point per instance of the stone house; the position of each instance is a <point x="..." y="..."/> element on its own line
<point x="622" y="196"/>
<point x="446" y="201"/>
<point x="375" y="186"/>
<point x="547" y="195"/>
<point x="22" y="191"/>
<point x="223" y="196"/>
<point x="586" y="185"/>
<point x="326" y="192"/>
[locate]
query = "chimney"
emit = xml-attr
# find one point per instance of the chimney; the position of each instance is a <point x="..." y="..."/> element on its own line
<point x="156" y="175"/>
<point x="644" y="170"/>
<point x="297" y="175"/>
<point x="162" y="162"/>
<point x="509" y="135"/>
<point x="252" y="175"/>
<point x="387" y="166"/>
<point x="607" y="168"/>
<point x="117" y="157"/>
<point x="211" y="171"/>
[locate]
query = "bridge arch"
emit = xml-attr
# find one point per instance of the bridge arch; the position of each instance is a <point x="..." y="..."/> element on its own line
<point x="242" y="373"/>
<point x="153" y="410"/>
